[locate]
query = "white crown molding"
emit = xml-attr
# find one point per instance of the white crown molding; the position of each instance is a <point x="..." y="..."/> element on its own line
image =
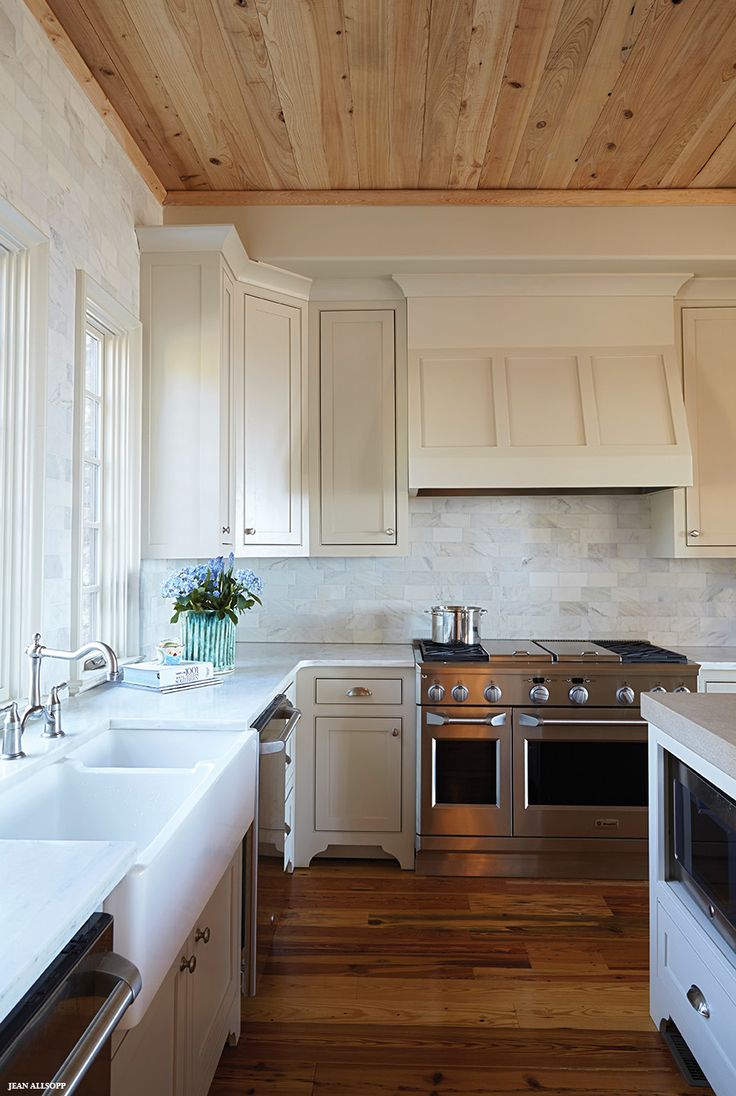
<point x="708" y="289"/>
<point x="541" y="285"/>
<point x="356" y="289"/>
<point x="170" y="239"/>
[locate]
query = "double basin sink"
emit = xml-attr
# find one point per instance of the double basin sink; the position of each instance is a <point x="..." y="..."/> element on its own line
<point x="184" y="798"/>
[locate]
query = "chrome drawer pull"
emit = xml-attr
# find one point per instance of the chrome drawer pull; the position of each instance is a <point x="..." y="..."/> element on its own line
<point x="203" y="934"/>
<point x="696" y="997"/>
<point x="359" y="690"/>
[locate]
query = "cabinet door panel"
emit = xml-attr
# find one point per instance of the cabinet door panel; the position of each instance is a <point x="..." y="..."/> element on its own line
<point x="358" y="774"/>
<point x="358" y="427"/>
<point x="215" y="978"/>
<point x="151" y="1060"/>
<point x="709" y="348"/>
<point x="272" y="466"/>
<point x="227" y="523"/>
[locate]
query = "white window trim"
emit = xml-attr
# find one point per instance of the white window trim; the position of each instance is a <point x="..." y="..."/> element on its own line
<point x="120" y="517"/>
<point x="22" y="436"/>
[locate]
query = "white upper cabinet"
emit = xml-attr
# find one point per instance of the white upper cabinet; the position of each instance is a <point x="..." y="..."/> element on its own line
<point x="224" y="395"/>
<point x="271" y="497"/>
<point x="187" y="313"/>
<point x="361" y="459"/>
<point x="700" y="521"/>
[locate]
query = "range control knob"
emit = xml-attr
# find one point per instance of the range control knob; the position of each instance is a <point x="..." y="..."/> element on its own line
<point x="492" y="693"/>
<point x="539" y="694"/>
<point x="459" y="693"/>
<point x="436" y="693"/>
<point x="682" y="689"/>
<point x="658" y="689"/>
<point x="578" y="694"/>
<point x="625" y="695"/>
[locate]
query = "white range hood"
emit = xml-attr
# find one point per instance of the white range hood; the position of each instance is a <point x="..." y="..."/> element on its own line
<point x="544" y="383"/>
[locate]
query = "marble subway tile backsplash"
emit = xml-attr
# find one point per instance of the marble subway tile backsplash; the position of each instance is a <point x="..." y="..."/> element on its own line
<point x="563" y="567"/>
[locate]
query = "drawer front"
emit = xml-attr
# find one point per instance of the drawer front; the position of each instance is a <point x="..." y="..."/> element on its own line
<point x="689" y="983"/>
<point x="347" y="690"/>
<point x="289" y="763"/>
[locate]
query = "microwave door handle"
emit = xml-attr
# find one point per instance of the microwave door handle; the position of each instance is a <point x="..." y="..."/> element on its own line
<point x="279" y="744"/>
<point x="439" y="720"/>
<point x="124" y="982"/>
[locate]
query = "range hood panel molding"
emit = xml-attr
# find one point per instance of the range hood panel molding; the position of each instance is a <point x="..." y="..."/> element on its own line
<point x="593" y="418"/>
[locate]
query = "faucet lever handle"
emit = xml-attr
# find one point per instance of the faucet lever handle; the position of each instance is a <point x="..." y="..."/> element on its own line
<point x="55" y="690"/>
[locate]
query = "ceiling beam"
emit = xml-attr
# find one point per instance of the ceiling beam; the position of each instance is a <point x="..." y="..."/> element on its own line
<point x="717" y="196"/>
<point x="79" y="69"/>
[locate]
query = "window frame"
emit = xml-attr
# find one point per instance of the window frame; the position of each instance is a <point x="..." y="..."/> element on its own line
<point x="23" y="370"/>
<point x="118" y="546"/>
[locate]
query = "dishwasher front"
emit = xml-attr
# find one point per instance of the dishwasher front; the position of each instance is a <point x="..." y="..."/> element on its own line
<point x="269" y="858"/>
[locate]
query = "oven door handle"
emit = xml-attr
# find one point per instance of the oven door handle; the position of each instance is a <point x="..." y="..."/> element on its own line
<point x="435" y="719"/>
<point x="537" y="721"/>
<point x="279" y="744"/>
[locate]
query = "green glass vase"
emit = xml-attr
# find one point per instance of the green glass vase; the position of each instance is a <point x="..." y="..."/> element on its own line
<point x="208" y="639"/>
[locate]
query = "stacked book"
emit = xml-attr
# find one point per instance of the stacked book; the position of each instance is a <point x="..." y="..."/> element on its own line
<point x="161" y="678"/>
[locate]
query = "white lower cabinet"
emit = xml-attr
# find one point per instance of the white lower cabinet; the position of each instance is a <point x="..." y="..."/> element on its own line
<point x="717" y="681"/>
<point x="358" y="773"/>
<point x="175" y="1049"/>
<point x="356" y="778"/>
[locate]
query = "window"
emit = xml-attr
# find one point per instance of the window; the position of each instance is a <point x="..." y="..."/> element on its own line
<point x="107" y="471"/>
<point x="23" y="348"/>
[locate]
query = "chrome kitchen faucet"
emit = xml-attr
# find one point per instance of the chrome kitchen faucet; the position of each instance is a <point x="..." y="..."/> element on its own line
<point x="15" y="723"/>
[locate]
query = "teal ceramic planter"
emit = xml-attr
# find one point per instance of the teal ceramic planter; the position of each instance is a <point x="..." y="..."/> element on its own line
<point x="208" y="639"/>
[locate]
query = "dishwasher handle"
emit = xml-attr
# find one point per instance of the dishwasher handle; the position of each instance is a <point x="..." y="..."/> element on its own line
<point x="286" y="710"/>
<point x="122" y="981"/>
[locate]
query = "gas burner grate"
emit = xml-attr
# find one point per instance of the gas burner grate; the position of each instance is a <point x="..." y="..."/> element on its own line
<point x="639" y="650"/>
<point x="452" y="652"/>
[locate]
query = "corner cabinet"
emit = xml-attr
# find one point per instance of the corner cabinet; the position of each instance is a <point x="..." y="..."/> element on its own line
<point x="224" y="460"/>
<point x="359" y="477"/>
<point x="700" y="521"/>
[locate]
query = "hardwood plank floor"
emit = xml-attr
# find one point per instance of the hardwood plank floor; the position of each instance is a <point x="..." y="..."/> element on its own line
<point x="385" y="983"/>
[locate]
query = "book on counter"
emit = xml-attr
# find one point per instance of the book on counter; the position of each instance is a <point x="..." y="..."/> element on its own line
<point x="161" y="677"/>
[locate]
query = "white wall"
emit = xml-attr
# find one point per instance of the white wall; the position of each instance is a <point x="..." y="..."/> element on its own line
<point x="64" y="171"/>
<point x="543" y="566"/>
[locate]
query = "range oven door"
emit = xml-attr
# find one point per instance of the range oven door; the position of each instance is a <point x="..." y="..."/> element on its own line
<point x="465" y="772"/>
<point x="580" y="774"/>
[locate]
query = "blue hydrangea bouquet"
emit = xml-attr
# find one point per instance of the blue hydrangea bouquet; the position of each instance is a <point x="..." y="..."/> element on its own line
<point x="211" y="596"/>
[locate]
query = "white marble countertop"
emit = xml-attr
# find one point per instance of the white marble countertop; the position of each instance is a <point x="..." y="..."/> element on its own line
<point x="711" y="658"/>
<point x="702" y="722"/>
<point x="49" y="890"/>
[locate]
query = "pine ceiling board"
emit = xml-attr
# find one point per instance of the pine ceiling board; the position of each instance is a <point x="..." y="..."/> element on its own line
<point x="149" y="114"/>
<point x="574" y="38"/>
<point x="673" y="45"/>
<point x="703" y="117"/>
<point x="190" y="58"/>
<point x="366" y="28"/>
<point x="720" y="170"/>
<point x="408" y="44"/>
<point x="336" y="94"/>
<point x="534" y="29"/>
<point x="294" y="52"/>
<point x="556" y="154"/>
<point x="449" y="41"/>
<point x="490" y="40"/>
<point x="241" y="27"/>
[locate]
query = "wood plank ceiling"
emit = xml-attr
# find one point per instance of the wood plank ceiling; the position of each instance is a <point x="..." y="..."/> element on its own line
<point x="443" y="95"/>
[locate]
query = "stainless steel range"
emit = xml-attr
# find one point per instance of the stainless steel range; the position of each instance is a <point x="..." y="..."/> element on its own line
<point x="533" y="755"/>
